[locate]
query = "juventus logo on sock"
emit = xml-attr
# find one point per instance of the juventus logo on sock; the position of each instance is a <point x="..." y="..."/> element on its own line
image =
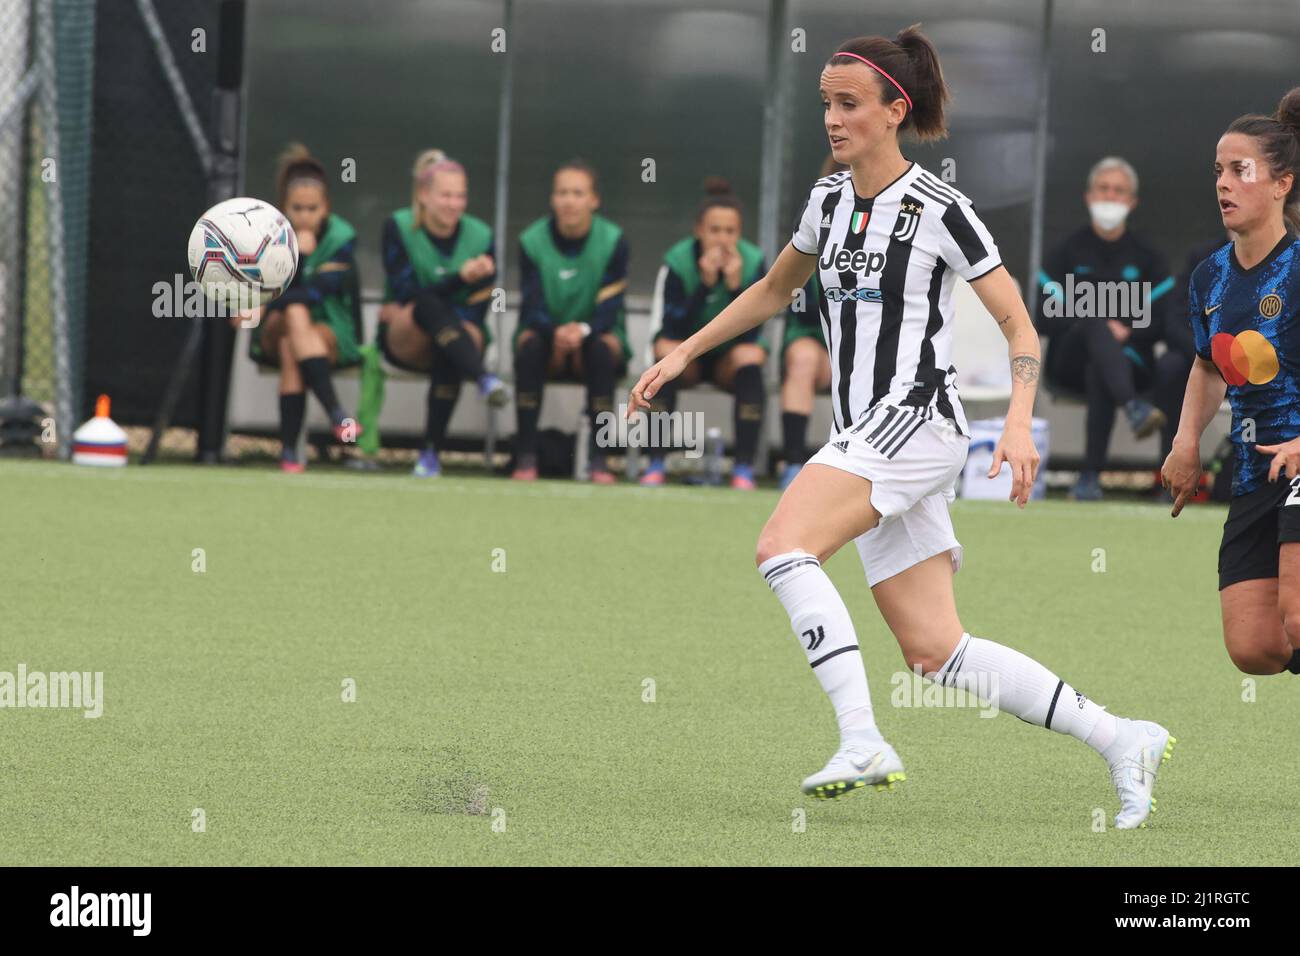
<point x="815" y="637"/>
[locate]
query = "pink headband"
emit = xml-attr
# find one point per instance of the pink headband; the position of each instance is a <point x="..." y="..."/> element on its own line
<point x="897" y="85"/>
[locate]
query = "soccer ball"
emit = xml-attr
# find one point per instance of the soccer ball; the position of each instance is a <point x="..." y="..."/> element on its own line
<point x="243" y="253"/>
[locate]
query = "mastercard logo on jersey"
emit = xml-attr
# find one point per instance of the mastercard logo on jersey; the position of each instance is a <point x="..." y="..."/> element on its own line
<point x="1244" y="357"/>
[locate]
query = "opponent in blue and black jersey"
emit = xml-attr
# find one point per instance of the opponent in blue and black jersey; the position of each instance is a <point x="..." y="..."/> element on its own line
<point x="1244" y="311"/>
<point x="1247" y="322"/>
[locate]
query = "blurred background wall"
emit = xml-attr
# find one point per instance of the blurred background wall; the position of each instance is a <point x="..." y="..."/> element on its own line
<point x="716" y="88"/>
<point x="684" y="83"/>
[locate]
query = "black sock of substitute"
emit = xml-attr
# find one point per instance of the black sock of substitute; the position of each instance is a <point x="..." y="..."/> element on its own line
<point x="1294" y="664"/>
<point x="444" y="389"/>
<point x="749" y="411"/>
<point x="794" y="434"/>
<point x="316" y="373"/>
<point x="443" y="325"/>
<point x="598" y="366"/>
<point x="530" y="375"/>
<point x="293" y="407"/>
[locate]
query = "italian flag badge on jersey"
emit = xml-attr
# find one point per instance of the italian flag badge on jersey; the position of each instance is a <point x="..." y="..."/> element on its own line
<point x="858" y="222"/>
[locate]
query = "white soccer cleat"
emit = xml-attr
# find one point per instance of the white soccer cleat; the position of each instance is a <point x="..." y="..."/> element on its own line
<point x="1134" y="773"/>
<point x="853" y="767"/>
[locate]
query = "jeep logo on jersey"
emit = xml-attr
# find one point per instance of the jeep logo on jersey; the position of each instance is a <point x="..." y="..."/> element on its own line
<point x="861" y="261"/>
<point x="836" y="294"/>
<point x="909" y="216"/>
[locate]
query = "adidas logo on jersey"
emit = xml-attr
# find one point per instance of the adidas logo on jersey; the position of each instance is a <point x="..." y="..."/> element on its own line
<point x="826" y="220"/>
<point x="843" y="446"/>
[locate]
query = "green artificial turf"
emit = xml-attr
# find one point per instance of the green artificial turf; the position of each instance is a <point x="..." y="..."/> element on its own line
<point x="500" y="717"/>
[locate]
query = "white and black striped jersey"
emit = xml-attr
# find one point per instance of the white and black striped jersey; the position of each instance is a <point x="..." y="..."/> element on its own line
<point x="886" y="267"/>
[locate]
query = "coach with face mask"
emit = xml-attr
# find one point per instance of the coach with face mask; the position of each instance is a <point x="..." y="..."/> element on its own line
<point x="1103" y="297"/>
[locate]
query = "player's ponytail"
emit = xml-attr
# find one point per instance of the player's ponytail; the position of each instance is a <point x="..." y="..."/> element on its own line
<point x="717" y="193"/>
<point x="929" y="91"/>
<point x="1288" y="114"/>
<point x="906" y="67"/>
<point x="298" y="165"/>
<point x="1278" y="137"/>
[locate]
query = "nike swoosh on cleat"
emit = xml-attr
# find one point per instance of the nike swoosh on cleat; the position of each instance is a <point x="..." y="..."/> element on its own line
<point x="875" y="760"/>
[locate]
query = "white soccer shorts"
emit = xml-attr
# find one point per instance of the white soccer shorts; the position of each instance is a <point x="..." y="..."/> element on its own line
<point x="912" y="464"/>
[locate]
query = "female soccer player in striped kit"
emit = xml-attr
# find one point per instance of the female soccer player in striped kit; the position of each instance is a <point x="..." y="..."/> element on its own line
<point x="888" y="239"/>
<point x="1244" y="302"/>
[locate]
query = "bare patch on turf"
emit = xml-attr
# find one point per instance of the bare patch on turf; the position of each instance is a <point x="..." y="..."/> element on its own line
<point x="448" y="785"/>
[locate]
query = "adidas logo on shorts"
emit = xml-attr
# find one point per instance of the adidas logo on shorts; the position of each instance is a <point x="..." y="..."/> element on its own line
<point x="893" y="428"/>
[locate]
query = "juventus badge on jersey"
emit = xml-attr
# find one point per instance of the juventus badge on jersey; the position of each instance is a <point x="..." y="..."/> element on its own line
<point x="909" y="217"/>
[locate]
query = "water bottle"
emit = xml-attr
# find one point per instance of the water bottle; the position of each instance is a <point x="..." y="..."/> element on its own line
<point x="581" y="462"/>
<point x="713" y="449"/>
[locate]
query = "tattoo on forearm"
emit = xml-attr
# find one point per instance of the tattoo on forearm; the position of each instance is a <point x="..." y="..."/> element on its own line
<point x="1004" y="320"/>
<point x="1024" y="369"/>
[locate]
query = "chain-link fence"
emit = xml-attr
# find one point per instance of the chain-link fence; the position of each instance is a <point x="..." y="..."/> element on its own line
<point x="46" y="64"/>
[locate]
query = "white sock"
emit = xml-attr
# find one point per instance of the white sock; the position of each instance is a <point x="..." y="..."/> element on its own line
<point x="1111" y="738"/>
<point x="825" y="632"/>
<point x="1028" y="690"/>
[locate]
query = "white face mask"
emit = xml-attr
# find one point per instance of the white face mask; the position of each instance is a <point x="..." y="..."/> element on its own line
<point x="1108" y="215"/>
